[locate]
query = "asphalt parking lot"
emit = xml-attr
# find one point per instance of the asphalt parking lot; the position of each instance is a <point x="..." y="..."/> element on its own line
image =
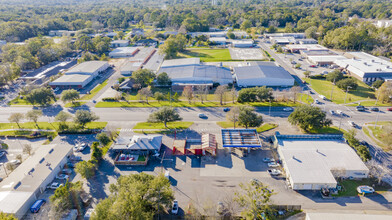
<point x="246" y="54"/>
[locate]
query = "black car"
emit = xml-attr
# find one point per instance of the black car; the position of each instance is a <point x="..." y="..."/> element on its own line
<point x="375" y="109"/>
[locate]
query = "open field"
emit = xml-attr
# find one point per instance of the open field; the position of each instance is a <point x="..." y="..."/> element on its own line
<point x="382" y="132"/>
<point x="207" y="55"/>
<point x="323" y="87"/>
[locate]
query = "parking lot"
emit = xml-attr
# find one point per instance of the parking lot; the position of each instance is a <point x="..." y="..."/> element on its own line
<point x="246" y="53"/>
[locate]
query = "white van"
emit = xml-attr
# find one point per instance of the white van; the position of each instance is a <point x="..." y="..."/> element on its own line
<point x="322" y="97"/>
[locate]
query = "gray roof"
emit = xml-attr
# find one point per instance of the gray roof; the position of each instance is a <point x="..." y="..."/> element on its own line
<point x="180" y="62"/>
<point x="87" y="67"/>
<point x="197" y="73"/>
<point x="261" y="70"/>
<point x="139" y="142"/>
<point x="119" y="41"/>
<point x="73" y="78"/>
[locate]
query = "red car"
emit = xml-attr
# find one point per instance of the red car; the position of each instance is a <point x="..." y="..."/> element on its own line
<point x="389" y="109"/>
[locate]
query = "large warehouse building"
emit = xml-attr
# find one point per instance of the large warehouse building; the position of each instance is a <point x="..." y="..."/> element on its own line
<point x="262" y="74"/>
<point x="80" y="75"/>
<point x="312" y="162"/>
<point x="28" y="181"/>
<point x="189" y="72"/>
<point x="366" y="67"/>
<point x="120" y="52"/>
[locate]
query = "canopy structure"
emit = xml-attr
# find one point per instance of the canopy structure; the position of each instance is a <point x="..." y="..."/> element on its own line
<point x="240" y="138"/>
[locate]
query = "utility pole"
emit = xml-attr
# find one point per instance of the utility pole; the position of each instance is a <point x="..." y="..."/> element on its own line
<point x="332" y="87"/>
<point x="269" y="112"/>
<point x="346" y="94"/>
<point x="375" y="124"/>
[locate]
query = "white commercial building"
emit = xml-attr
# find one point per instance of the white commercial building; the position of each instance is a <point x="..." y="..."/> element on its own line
<point x="262" y="74"/>
<point x="123" y="52"/>
<point x="242" y="43"/>
<point x="119" y="43"/>
<point x="27" y="182"/>
<point x="218" y="40"/>
<point x="189" y="72"/>
<point x="283" y="40"/>
<point x="80" y="75"/>
<point x="324" y="60"/>
<point x="366" y="67"/>
<point x="312" y="162"/>
<point x="294" y="35"/>
<point x="296" y="48"/>
<point x="347" y="216"/>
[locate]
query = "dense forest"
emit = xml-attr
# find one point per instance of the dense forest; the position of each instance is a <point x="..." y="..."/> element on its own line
<point x="340" y="24"/>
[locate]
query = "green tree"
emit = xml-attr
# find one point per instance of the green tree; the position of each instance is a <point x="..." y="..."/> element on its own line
<point x="40" y="96"/>
<point x="246" y="25"/>
<point x="63" y="117"/>
<point x="159" y="96"/>
<point x="309" y="117"/>
<point x="311" y="32"/>
<point x="230" y="34"/>
<point x="163" y="79"/>
<point x="349" y="83"/>
<point x="271" y="29"/>
<point x="16" y="118"/>
<point x="307" y="73"/>
<point x="144" y="77"/>
<point x="136" y="196"/>
<point x="86" y="169"/>
<point x="70" y="95"/>
<point x="335" y="75"/>
<point x="164" y="114"/>
<point x="103" y="138"/>
<point x="66" y="198"/>
<point x="255" y="94"/>
<point x="82" y="117"/>
<point x="255" y="198"/>
<point x="84" y="43"/>
<point x="33" y="115"/>
<point x="5" y="216"/>
<point x="384" y="93"/>
<point x="248" y="117"/>
<point x="378" y="83"/>
<point x="97" y="153"/>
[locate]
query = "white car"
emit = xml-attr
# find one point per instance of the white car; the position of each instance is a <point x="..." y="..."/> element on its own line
<point x="339" y="112"/>
<point x="80" y="147"/>
<point x="274" y="172"/>
<point x="62" y="176"/>
<point x="167" y="174"/>
<point x="54" y="185"/>
<point x="175" y="207"/>
<point x="14" y="162"/>
<point x="273" y="164"/>
<point x="287" y="109"/>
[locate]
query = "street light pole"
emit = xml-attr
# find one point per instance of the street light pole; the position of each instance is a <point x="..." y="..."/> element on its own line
<point x="269" y="112"/>
<point x="375" y="124"/>
<point x="332" y="87"/>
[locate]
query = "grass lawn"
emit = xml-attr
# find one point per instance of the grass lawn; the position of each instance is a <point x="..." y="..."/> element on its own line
<point x="94" y="91"/>
<point x="170" y="125"/>
<point x="49" y="126"/>
<point x="187" y="104"/>
<point x="327" y="130"/>
<point x="305" y="98"/>
<point x="27" y="133"/>
<point x="74" y="104"/>
<point x="349" y="187"/>
<point x="324" y="87"/>
<point x="262" y="128"/>
<point x="17" y="101"/>
<point x="381" y="133"/>
<point x="207" y="55"/>
<point x="372" y="103"/>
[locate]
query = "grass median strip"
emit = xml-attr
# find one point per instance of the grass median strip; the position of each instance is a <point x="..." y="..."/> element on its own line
<point x="74" y="104"/>
<point x="262" y="128"/>
<point x="48" y="125"/>
<point x="161" y="126"/>
<point x="326" y="130"/>
<point x="152" y="104"/>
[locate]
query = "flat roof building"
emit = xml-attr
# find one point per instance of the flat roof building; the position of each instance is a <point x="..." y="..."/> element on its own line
<point x="123" y="52"/>
<point x="119" y="43"/>
<point x="294" y="35"/>
<point x="242" y="43"/>
<point x="283" y="40"/>
<point x="307" y="41"/>
<point x="80" y="75"/>
<point x="181" y="62"/>
<point x="218" y="40"/>
<point x="324" y="60"/>
<point x="296" y="48"/>
<point x="29" y="180"/>
<point x="140" y="144"/>
<point x="366" y="67"/>
<point x="262" y="74"/>
<point x="346" y="216"/>
<point x="312" y="162"/>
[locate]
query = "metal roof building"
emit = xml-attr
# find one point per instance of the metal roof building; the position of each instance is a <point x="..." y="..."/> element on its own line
<point x="312" y="162"/>
<point x="240" y="138"/>
<point x="123" y="52"/>
<point x="28" y="181"/>
<point x="366" y="67"/>
<point x="242" y="43"/>
<point x="80" y="75"/>
<point x="262" y="74"/>
<point x="345" y="216"/>
<point x="139" y="143"/>
<point x="181" y="62"/>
